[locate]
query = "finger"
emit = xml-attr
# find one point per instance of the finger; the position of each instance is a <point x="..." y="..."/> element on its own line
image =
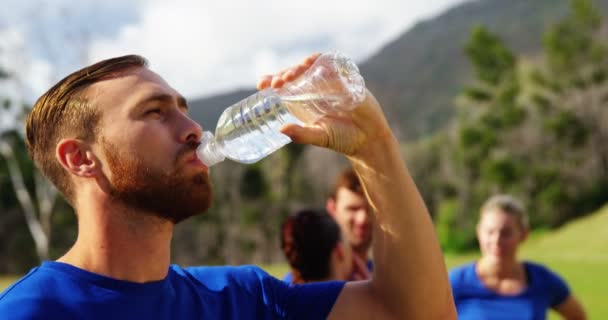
<point x="306" y="135"/>
<point x="264" y="82"/>
<point x="299" y="69"/>
<point x="290" y="74"/>
<point x="308" y="61"/>
<point x="276" y="82"/>
<point x="294" y="72"/>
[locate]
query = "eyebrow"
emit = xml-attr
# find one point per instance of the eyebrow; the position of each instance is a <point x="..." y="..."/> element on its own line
<point x="163" y="97"/>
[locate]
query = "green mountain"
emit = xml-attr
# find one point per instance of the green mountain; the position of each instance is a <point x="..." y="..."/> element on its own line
<point x="417" y="76"/>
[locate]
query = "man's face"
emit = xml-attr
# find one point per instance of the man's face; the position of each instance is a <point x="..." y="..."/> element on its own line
<point x="147" y="146"/>
<point x="351" y="211"/>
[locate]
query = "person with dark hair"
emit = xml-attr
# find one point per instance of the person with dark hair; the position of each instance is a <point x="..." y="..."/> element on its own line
<point x="498" y="286"/>
<point x="347" y="204"/>
<point x="313" y="245"/>
<point x="117" y="141"/>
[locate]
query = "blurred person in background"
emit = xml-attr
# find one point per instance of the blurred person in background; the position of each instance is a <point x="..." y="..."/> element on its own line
<point x="313" y="245"/>
<point x="349" y="207"/>
<point x="498" y="285"/>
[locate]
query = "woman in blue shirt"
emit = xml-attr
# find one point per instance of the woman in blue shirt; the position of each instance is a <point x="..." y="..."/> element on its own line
<point x="499" y="286"/>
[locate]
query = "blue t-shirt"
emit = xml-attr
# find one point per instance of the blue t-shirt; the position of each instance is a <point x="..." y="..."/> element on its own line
<point x="288" y="277"/>
<point x="61" y="291"/>
<point x="473" y="300"/>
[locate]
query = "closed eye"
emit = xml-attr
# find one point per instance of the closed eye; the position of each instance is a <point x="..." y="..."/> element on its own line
<point x="155" y="111"/>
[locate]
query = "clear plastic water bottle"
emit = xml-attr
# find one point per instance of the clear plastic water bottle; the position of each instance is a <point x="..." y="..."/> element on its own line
<point x="249" y="130"/>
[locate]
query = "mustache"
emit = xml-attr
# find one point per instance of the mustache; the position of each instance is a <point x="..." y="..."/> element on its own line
<point x="187" y="148"/>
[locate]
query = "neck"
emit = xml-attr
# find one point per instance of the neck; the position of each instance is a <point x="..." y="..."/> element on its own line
<point x="362" y="253"/>
<point x="502" y="268"/>
<point x="121" y="243"/>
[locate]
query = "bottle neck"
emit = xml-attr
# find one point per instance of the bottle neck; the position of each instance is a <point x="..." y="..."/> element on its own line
<point x="209" y="152"/>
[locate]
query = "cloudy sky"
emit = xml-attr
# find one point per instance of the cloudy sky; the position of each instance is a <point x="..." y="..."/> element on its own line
<point x="201" y="47"/>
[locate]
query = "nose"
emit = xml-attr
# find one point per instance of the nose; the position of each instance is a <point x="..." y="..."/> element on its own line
<point x="361" y="217"/>
<point x="191" y="130"/>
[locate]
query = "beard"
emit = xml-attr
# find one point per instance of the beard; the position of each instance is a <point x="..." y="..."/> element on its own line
<point x="170" y="195"/>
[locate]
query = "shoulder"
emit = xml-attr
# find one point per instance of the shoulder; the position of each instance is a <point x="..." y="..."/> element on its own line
<point x="462" y="274"/>
<point x="536" y="267"/>
<point x="547" y="283"/>
<point x="248" y="276"/>
<point x="32" y="297"/>
<point x="225" y="272"/>
<point x="540" y="272"/>
<point x="463" y="280"/>
<point x="27" y="286"/>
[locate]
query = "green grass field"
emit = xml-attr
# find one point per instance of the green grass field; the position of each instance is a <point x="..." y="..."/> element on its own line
<point x="578" y="252"/>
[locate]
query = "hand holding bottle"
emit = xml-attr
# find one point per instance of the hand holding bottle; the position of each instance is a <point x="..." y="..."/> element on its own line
<point x="327" y="85"/>
<point x="350" y="133"/>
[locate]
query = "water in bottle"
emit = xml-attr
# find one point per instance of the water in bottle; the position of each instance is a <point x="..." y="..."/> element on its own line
<point x="249" y="130"/>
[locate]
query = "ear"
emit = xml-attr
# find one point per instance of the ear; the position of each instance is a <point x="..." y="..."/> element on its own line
<point x="330" y="206"/>
<point x="339" y="251"/>
<point x="76" y="157"/>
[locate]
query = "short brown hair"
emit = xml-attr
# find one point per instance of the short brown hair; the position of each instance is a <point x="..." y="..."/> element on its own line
<point x="347" y="179"/>
<point x="63" y="111"/>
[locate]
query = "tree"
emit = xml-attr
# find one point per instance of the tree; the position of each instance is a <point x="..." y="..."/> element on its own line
<point x="535" y="128"/>
<point x="38" y="201"/>
<point x="570" y="93"/>
<point x="489" y="111"/>
<point x="37" y="213"/>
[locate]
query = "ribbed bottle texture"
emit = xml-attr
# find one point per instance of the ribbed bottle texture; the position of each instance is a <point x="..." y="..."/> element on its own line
<point x="249" y="130"/>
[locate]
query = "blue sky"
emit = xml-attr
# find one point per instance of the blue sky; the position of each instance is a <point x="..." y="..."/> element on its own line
<point x="200" y="47"/>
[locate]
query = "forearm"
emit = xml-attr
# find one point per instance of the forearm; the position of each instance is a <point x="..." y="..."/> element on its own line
<point x="571" y="309"/>
<point x="410" y="277"/>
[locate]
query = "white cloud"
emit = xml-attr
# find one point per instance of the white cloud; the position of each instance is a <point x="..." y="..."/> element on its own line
<point x="202" y="47"/>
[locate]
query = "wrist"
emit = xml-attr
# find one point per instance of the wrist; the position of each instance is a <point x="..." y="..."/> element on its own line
<point x="380" y="151"/>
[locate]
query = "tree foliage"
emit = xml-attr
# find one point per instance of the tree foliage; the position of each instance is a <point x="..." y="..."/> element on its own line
<point x="536" y="129"/>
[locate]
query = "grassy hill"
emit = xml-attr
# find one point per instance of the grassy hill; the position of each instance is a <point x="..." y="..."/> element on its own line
<point x="580" y="240"/>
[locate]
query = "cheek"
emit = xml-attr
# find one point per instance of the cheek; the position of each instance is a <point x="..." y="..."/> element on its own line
<point x="485" y="241"/>
<point x="511" y="242"/>
<point x="342" y="217"/>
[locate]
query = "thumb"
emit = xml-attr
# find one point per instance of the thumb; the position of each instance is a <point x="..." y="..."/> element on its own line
<point x="314" y="135"/>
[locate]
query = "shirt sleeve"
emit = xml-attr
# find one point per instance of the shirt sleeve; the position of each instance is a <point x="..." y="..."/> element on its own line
<point x="307" y="301"/>
<point x="456" y="280"/>
<point x="288" y="277"/>
<point x="557" y="287"/>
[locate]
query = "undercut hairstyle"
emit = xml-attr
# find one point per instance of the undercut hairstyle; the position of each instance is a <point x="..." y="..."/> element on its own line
<point x="509" y="205"/>
<point x="64" y="111"/>
<point x="347" y="179"/>
<point x="307" y="240"/>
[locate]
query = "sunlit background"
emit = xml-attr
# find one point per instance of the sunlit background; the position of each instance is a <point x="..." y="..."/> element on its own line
<point x="486" y="96"/>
